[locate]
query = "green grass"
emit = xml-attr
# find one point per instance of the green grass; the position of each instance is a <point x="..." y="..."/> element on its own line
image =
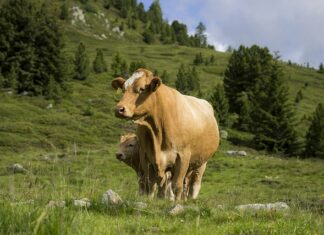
<point x="80" y="135"/>
<point x="228" y="181"/>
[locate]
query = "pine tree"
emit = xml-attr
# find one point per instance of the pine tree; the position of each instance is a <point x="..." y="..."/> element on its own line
<point x="244" y="68"/>
<point x="148" y="37"/>
<point x="11" y="78"/>
<point x="201" y="35"/>
<point x="180" y="33"/>
<point x="187" y="80"/>
<point x="64" y="14"/>
<point x="119" y="66"/>
<point x="244" y="120"/>
<point x="141" y="12"/>
<point x="220" y="105"/>
<point x="315" y="134"/>
<point x="154" y="15"/>
<point x="136" y="65"/>
<point x="81" y="63"/>
<point x="165" y="77"/>
<point x="31" y="46"/>
<point x="181" y="82"/>
<point x="321" y="68"/>
<point x="198" y="59"/>
<point x="299" y="96"/>
<point x="193" y="83"/>
<point x="272" y="114"/>
<point x="99" y="64"/>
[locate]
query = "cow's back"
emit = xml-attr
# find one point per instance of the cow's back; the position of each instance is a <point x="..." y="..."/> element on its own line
<point x="190" y="125"/>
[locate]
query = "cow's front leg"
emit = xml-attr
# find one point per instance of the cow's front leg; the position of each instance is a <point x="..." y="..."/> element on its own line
<point x="180" y="171"/>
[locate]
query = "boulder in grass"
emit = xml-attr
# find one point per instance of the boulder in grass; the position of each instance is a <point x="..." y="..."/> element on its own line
<point x="177" y="209"/>
<point x="53" y="204"/>
<point x="242" y="153"/>
<point x="231" y="152"/>
<point x="277" y="206"/>
<point x="140" y="205"/>
<point x="111" y="198"/>
<point x="82" y="203"/>
<point x="17" y="168"/>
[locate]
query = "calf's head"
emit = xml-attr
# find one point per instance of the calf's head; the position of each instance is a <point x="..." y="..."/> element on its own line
<point x="138" y="94"/>
<point x="128" y="148"/>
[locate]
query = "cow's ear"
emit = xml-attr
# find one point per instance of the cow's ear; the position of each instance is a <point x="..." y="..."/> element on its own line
<point x="122" y="139"/>
<point x="118" y="83"/>
<point x="155" y="83"/>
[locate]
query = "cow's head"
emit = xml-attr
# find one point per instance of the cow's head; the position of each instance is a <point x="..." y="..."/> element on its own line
<point x="138" y="91"/>
<point x="128" y="148"/>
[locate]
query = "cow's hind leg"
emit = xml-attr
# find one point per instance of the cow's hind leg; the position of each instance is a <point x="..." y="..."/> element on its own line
<point x="195" y="181"/>
<point x="181" y="167"/>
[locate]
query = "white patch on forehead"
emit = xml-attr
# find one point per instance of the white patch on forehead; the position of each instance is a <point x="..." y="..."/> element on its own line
<point x="133" y="78"/>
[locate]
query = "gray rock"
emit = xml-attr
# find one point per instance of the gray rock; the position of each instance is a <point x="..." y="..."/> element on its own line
<point x="24" y="93"/>
<point x="277" y="206"/>
<point x="84" y="202"/>
<point x="177" y="209"/>
<point x="231" y="152"/>
<point x="140" y="205"/>
<point x="111" y="198"/>
<point x="28" y="202"/>
<point x="9" y="92"/>
<point x="53" y="204"/>
<point x="242" y="153"/>
<point x="17" y="168"/>
<point x="49" y="106"/>
<point x="223" y="134"/>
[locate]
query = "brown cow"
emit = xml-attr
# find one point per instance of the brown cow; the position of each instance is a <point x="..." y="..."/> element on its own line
<point x="185" y="130"/>
<point x="129" y="154"/>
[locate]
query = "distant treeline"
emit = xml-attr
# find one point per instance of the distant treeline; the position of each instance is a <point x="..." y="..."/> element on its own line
<point x="156" y="29"/>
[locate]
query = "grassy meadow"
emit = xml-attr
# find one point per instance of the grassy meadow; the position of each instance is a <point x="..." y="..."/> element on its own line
<point x="69" y="153"/>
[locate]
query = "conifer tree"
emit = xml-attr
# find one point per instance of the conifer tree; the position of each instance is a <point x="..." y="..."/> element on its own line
<point x="299" y="96"/>
<point x="31" y="46"/>
<point x="245" y="67"/>
<point x="198" y="59"/>
<point x="154" y="15"/>
<point x="220" y="105"/>
<point x="321" y="68"/>
<point x="141" y="12"/>
<point x="244" y="120"/>
<point x="136" y="65"/>
<point x="272" y="114"/>
<point x="201" y="35"/>
<point x="148" y="37"/>
<point x="81" y="63"/>
<point x="99" y="64"/>
<point x="64" y="14"/>
<point x="165" y="77"/>
<point x="181" y="82"/>
<point x="187" y="80"/>
<point x="119" y="66"/>
<point x="315" y="134"/>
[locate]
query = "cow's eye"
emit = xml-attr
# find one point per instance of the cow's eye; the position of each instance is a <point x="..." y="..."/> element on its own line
<point x="130" y="145"/>
<point x="141" y="90"/>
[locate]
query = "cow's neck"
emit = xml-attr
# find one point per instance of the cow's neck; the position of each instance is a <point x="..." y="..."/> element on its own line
<point x="158" y="117"/>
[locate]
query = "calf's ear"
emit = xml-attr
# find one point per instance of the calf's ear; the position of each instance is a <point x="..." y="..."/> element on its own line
<point x="122" y="139"/>
<point x="155" y="83"/>
<point x="118" y="83"/>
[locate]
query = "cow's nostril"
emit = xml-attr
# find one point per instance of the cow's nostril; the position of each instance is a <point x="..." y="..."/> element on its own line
<point x="119" y="155"/>
<point x="121" y="110"/>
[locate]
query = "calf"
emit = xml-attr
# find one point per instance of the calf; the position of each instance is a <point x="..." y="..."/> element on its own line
<point x="129" y="154"/>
